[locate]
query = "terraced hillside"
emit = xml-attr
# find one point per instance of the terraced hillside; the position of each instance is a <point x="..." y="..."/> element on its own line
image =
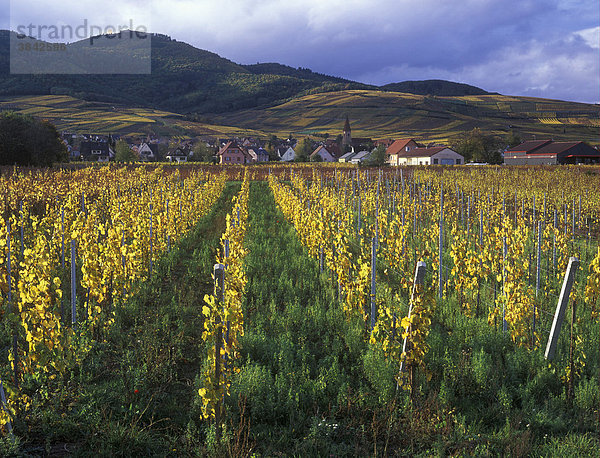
<point x="76" y="115"/>
<point x="380" y="114"/>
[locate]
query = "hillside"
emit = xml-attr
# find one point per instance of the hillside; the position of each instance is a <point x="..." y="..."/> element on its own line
<point x="184" y="79"/>
<point x="380" y="114"/>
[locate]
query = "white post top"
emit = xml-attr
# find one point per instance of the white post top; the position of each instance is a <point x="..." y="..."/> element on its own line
<point x="420" y="273"/>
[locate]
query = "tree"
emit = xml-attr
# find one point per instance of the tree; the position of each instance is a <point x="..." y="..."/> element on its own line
<point x="202" y="153"/>
<point x="513" y="139"/>
<point x="377" y="157"/>
<point x="477" y="146"/>
<point x="28" y="141"/>
<point x="123" y="152"/>
<point x="271" y="147"/>
<point x="303" y="150"/>
<point x="163" y="150"/>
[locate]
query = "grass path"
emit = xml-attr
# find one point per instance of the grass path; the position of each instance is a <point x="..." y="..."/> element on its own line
<point x="302" y="361"/>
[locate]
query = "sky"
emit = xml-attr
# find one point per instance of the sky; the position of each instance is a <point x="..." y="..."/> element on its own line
<point x="540" y="48"/>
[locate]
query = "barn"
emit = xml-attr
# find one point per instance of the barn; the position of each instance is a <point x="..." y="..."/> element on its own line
<point x="549" y="152"/>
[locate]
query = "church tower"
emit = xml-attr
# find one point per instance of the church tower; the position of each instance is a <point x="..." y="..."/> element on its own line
<point x="347" y="135"/>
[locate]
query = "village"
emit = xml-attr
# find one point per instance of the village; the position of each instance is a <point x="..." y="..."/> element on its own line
<point x="343" y="148"/>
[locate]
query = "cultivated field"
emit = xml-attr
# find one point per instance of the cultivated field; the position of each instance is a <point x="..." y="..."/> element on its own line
<point x="351" y="312"/>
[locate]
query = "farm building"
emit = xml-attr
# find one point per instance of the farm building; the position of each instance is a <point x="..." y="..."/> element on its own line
<point x="232" y="154"/>
<point x="551" y="152"/>
<point x="438" y="155"/>
<point x="401" y="146"/>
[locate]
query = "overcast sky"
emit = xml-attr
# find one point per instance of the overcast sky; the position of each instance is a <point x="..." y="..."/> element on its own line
<point x="542" y="48"/>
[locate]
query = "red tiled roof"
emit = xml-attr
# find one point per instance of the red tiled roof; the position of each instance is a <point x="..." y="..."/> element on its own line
<point x="233" y="145"/>
<point x="399" y="145"/>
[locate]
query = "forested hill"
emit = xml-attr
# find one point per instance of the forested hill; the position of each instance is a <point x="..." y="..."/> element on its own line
<point x="435" y="87"/>
<point x="185" y="79"/>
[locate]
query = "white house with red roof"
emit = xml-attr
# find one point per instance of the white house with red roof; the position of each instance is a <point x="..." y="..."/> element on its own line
<point x="401" y="146"/>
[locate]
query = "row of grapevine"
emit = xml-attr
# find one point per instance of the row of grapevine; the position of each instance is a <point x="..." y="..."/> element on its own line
<point x="223" y="315"/>
<point x="65" y="265"/>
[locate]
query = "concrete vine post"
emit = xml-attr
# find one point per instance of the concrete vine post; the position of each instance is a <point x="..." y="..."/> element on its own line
<point x="441" y="244"/>
<point x="563" y="301"/>
<point x="418" y="281"/>
<point x="219" y="276"/>
<point x="73" y="284"/>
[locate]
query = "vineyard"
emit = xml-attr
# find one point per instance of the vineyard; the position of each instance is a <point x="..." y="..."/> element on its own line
<point x="300" y="310"/>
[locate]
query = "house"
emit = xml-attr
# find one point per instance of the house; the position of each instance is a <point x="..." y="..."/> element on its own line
<point x="178" y="155"/>
<point x="398" y="147"/>
<point x="550" y="152"/>
<point x="96" y="151"/>
<point x="258" y="155"/>
<point x="289" y="154"/>
<point x="346" y="157"/>
<point x="322" y="152"/>
<point x="438" y="155"/>
<point x="148" y="152"/>
<point x="233" y="154"/>
<point x="360" y="157"/>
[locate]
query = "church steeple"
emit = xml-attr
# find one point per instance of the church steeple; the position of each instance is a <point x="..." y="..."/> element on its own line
<point x="347" y="135"/>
